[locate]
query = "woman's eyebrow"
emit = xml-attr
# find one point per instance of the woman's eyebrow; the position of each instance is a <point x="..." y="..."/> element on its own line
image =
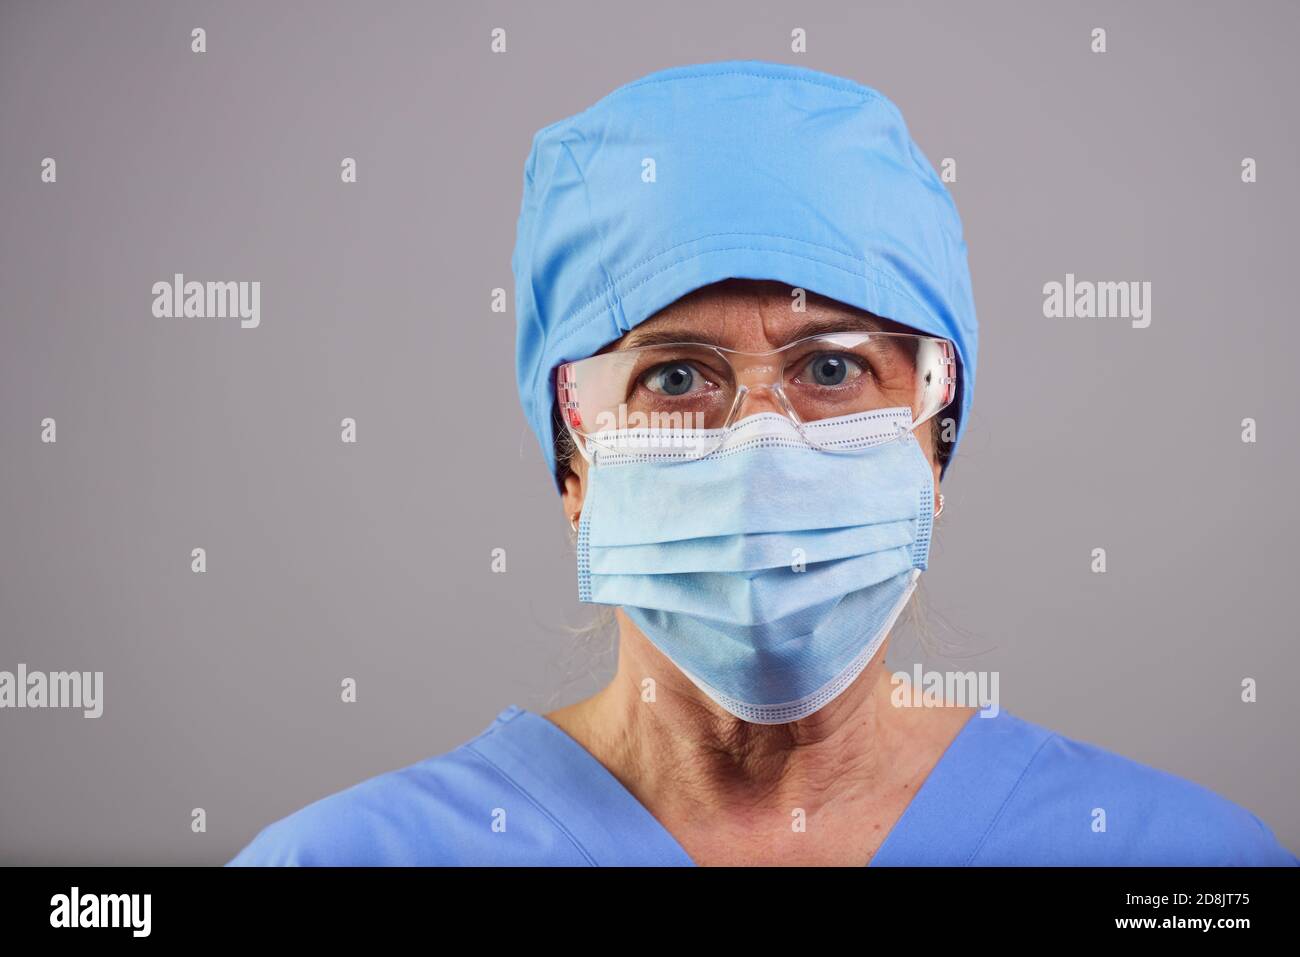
<point x="809" y="327"/>
<point x="663" y="337"/>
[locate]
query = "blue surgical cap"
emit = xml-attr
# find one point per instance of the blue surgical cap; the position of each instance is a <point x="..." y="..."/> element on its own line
<point x="739" y="169"/>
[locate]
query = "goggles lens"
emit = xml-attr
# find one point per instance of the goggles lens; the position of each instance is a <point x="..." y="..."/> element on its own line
<point x="684" y="397"/>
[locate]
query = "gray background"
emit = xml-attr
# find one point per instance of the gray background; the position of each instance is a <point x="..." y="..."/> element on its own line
<point x="373" y="561"/>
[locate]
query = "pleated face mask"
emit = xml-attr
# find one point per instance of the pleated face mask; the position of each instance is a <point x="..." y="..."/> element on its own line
<point x="769" y="572"/>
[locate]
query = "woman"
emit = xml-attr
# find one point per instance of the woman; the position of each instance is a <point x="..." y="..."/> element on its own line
<point x="747" y="345"/>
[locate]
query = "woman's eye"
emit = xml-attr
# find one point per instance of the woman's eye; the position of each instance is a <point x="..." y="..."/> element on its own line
<point x="831" y="369"/>
<point x="674" y="378"/>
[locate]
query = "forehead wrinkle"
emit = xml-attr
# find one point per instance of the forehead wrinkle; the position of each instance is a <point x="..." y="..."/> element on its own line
<point x="675" y="328"/>
<point x="724" y="315"/>
<point x="692" y="318"/>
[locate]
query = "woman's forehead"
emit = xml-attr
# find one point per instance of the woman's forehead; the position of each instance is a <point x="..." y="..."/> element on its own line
<point x="751" y="315"/>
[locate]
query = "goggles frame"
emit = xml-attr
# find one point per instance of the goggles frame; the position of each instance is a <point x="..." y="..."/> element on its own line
<point x="940" y="381"/>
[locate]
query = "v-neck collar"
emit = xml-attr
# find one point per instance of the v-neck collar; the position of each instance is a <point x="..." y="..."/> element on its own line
<point x="580" y="795"/>
<point x="958" y="803"/>
<point x="944" y="824"/>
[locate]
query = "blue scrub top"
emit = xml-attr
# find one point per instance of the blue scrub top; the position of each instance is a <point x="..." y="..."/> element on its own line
<point x="1005" y="792"/>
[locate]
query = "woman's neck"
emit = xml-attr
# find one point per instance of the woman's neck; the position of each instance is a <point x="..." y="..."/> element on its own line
<point x="716" y="781"/>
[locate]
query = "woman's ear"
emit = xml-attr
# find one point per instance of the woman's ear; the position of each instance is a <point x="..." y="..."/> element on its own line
<point x="575" y="488"/>
<point x="932" y="453"/>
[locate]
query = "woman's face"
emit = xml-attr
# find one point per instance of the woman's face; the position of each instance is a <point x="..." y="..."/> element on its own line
<point x="752" y="316"/>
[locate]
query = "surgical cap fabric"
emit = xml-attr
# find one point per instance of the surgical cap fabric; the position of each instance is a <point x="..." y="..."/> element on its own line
<point x="742" y="169"/>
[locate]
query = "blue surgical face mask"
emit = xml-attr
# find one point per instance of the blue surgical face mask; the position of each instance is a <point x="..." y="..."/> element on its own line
<point x="768" y="572"/>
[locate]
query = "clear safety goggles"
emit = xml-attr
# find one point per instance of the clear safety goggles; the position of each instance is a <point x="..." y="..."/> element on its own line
<point x="679" y="401"/>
